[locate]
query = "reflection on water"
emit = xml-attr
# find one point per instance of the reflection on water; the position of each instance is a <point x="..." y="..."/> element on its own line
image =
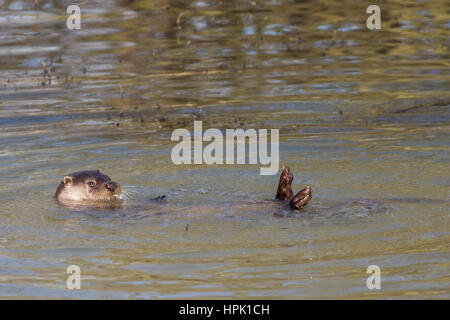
<point x="362" y="114"/>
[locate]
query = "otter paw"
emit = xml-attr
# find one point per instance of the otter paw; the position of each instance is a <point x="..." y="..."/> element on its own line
<point x="284" y="191"/>
<point x="301" y="199"/>
<point x="160" y="199"/>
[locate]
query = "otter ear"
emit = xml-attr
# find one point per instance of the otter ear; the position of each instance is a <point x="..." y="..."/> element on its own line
<point x="68" y="180"/>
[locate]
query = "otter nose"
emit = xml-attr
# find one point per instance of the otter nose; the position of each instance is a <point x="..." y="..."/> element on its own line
<point x="111" y="186"/>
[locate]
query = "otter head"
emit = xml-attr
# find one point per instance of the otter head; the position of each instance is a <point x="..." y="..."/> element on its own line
<point x="87" y="186"/>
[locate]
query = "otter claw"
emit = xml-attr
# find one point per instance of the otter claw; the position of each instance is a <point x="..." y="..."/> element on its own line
<point x="284" y="191"/>
<point x="301" y="199"/>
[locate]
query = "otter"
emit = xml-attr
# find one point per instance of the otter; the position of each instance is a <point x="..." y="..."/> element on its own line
<point x="95" y="189"/>
<point x="88" y="187"/>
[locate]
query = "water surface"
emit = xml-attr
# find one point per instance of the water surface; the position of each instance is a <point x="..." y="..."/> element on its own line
<point x="362" y="115"/>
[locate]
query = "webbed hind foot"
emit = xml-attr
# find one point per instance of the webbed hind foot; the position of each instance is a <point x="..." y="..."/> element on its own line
<point x="301" y="199"/>
<point x="284" y="191"/>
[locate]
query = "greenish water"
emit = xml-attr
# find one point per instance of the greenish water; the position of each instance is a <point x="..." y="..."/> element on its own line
<point x="362" y="115"/>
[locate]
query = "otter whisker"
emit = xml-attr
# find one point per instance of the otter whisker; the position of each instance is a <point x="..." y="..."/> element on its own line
<point x="125" y="197"/>
<point x="128" y="187"/>
<point x="128" y="193"/>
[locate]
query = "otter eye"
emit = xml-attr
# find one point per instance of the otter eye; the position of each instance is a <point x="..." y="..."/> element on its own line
<point x="91" y="184"/>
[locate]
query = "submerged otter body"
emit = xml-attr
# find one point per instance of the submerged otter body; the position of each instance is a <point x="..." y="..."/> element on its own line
<point x="87" y="187"/>
<point x="92" y="187"/>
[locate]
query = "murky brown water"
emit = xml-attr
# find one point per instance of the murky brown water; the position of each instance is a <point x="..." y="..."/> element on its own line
<point x="362" y="114"/>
